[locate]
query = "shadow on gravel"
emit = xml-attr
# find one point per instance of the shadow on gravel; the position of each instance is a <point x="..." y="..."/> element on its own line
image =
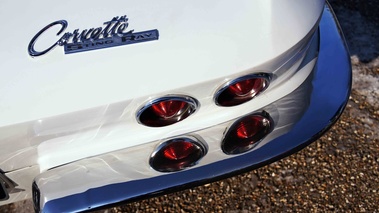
<point x="360" y="23"/>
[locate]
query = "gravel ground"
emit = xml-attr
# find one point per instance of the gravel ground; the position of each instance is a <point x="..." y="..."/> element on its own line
<point x="339" y="172"/>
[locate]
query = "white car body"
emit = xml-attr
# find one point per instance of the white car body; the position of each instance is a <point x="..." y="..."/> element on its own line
<point x="60" y="113"/>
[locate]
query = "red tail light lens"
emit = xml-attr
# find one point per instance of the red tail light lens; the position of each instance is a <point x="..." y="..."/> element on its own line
<point x="241" y="90"/>
<point x="246" y="132"/>
<point x="166" y="111"/>
<point x="177" y="154"/>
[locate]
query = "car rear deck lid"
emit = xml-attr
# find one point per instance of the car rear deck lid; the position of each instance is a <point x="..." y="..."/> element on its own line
<point x="198" y="41"/>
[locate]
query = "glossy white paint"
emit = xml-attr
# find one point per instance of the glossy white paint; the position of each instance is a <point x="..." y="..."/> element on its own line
<point x="59" y="108"/>
<point x="199" y="42"/>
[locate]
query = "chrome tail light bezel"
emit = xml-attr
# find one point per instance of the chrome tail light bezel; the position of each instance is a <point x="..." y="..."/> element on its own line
<point x="228" y="139"/>
<point x="147" y="118"/>
<point x="223" y="90"/>
<point x="165" y="165"/>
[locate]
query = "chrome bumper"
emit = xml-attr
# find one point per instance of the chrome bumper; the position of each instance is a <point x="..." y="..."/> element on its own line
<point x="331" y="89"/>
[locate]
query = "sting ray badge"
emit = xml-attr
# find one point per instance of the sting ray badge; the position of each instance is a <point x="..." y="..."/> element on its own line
<point x="114" y="33"/>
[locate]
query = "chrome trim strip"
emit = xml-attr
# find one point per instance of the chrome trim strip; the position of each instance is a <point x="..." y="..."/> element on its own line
<point x="331" y="90"/>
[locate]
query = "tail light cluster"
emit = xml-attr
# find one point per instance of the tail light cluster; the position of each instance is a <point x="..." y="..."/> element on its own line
<point x="243" y="135"/>
<point x="172" y="109"/>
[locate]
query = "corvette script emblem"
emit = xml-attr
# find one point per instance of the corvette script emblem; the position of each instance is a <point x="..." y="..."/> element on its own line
<point x="114" y="33"/>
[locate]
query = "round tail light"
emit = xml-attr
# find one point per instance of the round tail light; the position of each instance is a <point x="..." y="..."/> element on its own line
<point x="246" y="132"/>
<point x="241" y="90"/>
<point x="166" y="111"/>
<point x="177" y="154"/>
